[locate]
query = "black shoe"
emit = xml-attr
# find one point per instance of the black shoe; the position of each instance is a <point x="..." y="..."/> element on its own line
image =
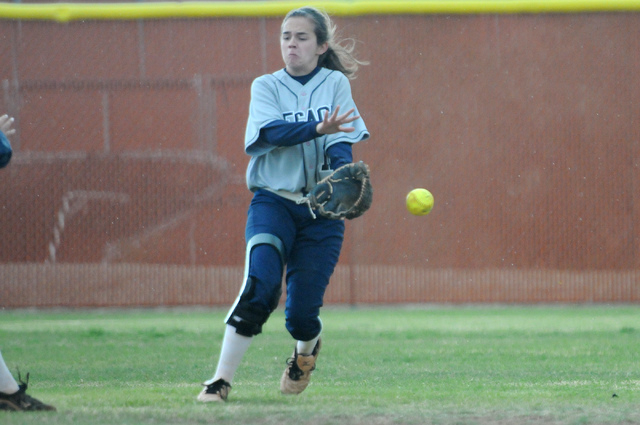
<point x="215" y="391"/>
<point x="20" y="401"/>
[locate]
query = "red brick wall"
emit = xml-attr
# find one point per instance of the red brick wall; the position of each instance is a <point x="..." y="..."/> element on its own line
<point x="129" y="165"/>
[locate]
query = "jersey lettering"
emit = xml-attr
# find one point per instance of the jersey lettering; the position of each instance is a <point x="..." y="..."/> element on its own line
<point x="309" y="115"/>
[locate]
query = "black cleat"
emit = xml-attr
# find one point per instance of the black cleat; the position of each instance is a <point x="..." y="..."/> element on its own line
<point x="215" y="391"/>
<point x="20" y="401"/>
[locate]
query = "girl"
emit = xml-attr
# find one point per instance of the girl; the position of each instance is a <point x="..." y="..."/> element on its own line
<point x="296" y="134"/>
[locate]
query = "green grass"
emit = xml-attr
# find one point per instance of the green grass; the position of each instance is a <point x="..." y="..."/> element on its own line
<point x="379" y="365"/>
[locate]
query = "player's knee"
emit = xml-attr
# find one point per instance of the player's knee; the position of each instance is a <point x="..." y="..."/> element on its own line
<point x="248" y="320"/>
<point x="251" y="313"/>
<point x="303" y="326"/>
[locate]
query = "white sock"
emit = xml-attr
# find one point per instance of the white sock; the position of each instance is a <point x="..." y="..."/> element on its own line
<point x="233" y="348"/>
<point x="306" y="347"/>
<point x="8" y="384"/>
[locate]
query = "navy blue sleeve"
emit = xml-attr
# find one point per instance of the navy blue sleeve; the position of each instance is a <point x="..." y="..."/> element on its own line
<point x="5" y="150"/>
<point x="340" y="154"/>
<point x="284" y="133"/>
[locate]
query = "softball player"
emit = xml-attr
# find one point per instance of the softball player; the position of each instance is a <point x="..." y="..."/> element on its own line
<point x="13" y="396"/>
<point x="302" y="124"/>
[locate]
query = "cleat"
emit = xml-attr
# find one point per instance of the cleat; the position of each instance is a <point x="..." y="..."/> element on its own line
<point x="20" y="401"/>
<point x="215" y="391"/>
<point x="296" y="376"/>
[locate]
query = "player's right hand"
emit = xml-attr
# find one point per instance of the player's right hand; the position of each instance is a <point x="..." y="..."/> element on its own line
<point x="335" y="123"/>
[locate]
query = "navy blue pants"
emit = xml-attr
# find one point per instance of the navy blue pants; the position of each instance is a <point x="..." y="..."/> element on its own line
<point x="311" y="247"/>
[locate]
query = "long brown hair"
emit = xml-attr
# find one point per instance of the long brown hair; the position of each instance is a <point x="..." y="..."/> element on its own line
<point x="339" y="55"/>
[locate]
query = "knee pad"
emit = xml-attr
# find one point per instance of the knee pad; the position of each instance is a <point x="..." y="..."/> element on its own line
<point x="248" y="318"/>
<point x="304" y="328"/>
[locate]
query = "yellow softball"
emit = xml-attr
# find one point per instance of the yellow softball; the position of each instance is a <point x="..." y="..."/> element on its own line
<point x="419" y="201"/>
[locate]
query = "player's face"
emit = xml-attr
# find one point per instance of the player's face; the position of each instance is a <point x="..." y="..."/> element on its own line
<point x="299" y="45"/>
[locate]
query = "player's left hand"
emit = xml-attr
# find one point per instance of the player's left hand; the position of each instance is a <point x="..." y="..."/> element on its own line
<point x="346" y="193"/>
<point x="5" y="125"/>
<point x="335" y="123"/>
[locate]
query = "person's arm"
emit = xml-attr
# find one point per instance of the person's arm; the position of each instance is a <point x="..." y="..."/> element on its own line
<point x="340" y="154"/>
<point x="284" y="133"/>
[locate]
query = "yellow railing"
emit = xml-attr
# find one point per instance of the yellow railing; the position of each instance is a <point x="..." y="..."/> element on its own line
<point x="65" y="12"/>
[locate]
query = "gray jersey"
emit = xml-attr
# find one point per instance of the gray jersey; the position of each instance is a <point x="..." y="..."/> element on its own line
<point x="277" y="96"/>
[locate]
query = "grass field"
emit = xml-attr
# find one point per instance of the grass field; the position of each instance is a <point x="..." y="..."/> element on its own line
<point x="379" y="365"/>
